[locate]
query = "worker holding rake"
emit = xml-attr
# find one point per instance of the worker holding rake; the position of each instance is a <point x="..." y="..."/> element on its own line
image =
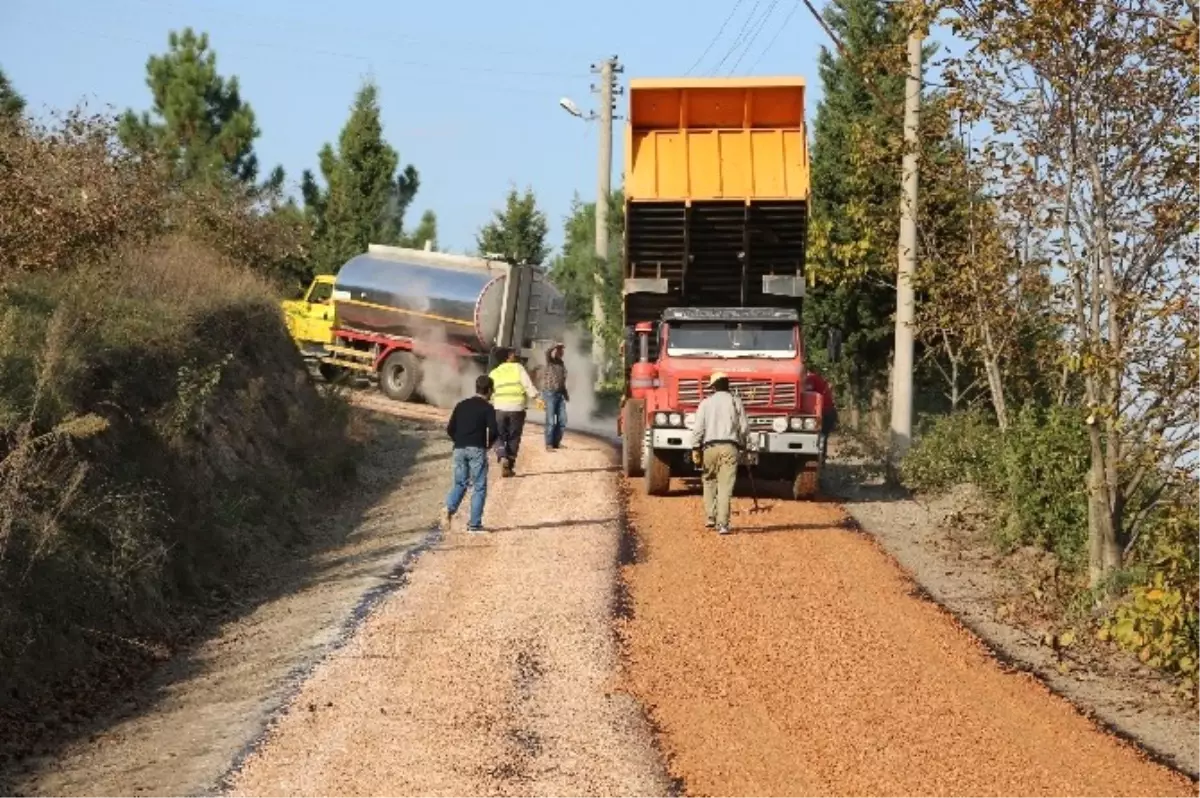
<point x="717" y="440"/>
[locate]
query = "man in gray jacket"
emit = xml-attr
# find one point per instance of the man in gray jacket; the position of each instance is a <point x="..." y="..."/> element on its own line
<point x="717" y="440"/>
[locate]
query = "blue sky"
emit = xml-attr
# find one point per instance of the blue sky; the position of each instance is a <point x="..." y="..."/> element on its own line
<point x="469" y="89"/>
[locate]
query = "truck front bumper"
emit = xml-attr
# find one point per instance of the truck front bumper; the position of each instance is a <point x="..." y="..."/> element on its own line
<point x="795" y="443"/>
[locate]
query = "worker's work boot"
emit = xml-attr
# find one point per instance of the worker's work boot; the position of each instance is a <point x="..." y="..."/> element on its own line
<point x="506" y="469"/>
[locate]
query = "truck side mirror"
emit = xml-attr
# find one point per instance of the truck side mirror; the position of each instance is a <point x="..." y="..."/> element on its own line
<point x="835" y="345"/>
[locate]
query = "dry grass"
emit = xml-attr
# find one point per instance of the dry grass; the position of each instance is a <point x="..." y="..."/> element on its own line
<point x="160" y="441"/>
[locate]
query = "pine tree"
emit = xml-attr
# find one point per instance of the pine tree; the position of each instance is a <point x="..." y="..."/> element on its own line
<point x="517" y="233"/>
<point x="12" y="104"/>
<point x="199" y="121"/>
<point x="426" y="231"/>
<point x="364" y="199"/>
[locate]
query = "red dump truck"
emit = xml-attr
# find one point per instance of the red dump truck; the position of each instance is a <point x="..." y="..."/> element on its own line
<point x="716" y="216"/>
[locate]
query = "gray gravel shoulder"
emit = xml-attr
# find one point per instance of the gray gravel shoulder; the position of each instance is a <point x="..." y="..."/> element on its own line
<point x="181" y="735"/>
<point x="963" y="576"/>
<point x="494" y="672"/>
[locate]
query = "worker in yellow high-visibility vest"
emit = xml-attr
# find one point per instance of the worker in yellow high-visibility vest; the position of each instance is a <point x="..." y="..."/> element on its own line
<point x="512" y="392"/>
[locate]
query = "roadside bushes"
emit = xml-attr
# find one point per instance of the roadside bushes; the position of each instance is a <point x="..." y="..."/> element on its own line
<point x="1035" y="476"/>
<point x="161" y="444"/>
<point x="1034" y="473"/>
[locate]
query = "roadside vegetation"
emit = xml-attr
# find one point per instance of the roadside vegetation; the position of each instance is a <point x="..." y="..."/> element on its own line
<point x="161" y="445"/>
<point x="1057" y="316"/>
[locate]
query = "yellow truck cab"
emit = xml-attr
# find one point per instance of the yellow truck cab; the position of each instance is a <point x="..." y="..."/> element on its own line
<point x="310" y="319"/>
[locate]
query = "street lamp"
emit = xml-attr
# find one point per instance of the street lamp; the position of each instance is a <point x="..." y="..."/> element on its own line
<point x="571" y="108"/>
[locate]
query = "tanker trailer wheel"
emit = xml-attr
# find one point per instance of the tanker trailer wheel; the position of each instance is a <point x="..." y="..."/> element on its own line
<point x="633" y="433"/>
<point x="806" y="484"/>
<point x="658" y="473"/>
<point x="400" y="376"/>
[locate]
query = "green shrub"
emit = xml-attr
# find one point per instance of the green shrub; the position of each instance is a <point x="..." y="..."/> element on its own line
<point x="1159" y="618"/>
<point x="951" y="450"/>
<point x="1034" y="473"/>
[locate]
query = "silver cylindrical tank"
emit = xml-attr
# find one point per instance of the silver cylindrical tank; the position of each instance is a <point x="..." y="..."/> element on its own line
<point x="439" y="298"/>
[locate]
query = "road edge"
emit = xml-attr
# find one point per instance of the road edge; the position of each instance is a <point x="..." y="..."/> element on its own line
<point x="395" y="581"/>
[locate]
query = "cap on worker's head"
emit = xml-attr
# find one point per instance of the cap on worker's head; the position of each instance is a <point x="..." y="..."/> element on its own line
<point x="716" y="377"/>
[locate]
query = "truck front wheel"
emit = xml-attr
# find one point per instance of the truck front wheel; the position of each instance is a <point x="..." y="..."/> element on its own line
<point x="400" y="376"/>
<point x="633" y="429"/>
<point x="658" y="474"/>
<point x="805" y="485"/>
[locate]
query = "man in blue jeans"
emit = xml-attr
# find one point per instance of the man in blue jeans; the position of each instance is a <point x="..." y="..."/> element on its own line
<point x="472" y="427"/>
<point x="554" y="396"/>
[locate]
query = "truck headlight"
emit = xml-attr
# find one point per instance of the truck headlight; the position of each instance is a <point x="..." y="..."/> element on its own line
<point x="797" y="424"/>
<point x="689" y="420"/>
<point x="810" y="424"/>
<point x="675" y="419"/>
<point x="660" y="419"/>
<point x="779" y="424"/>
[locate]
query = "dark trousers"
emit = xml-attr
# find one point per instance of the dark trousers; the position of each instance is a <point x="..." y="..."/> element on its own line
<point x="511" y="425"/>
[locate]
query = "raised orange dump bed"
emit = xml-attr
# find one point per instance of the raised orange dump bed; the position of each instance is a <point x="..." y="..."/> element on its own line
<point x="716" y="191"/>
<point x="716" y="138"/>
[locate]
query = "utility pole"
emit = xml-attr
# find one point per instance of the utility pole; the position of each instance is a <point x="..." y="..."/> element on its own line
<point x="902" y="362"/>
<point x="608" y="69"/>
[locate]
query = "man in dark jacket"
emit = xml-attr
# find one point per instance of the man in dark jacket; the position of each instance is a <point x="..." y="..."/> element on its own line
<point x="555" y="396"/>
<point x="472" y="427"/>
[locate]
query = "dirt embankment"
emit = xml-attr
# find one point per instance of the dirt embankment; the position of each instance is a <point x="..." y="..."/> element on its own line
<point x="794" y="657"/>
<point x="180" y="731"/>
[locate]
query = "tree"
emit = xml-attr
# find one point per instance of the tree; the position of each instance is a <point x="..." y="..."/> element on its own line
<point x="199" y="122"/>
<point x="426" y="231"/>
<point x="12" y="104"/>
<point x="517" y="233"/>
<point x="573" y="270"/>
<point x="856" y="195"/>
<point x="1093" y="111"/>
<point x="364" y="199"/>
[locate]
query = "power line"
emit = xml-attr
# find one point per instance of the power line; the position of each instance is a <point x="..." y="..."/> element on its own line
<point x="720" y="31"/>
<point x="274" y="20"/>
<point x="741" y="34"/>
<point x="757" y="32"/>
<point x="366" y="59"/>
<point x="774" y="38"/>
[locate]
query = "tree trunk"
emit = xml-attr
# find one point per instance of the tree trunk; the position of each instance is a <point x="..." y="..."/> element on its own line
<point x="991" y="367"/>
<point x="1104" y="551"/>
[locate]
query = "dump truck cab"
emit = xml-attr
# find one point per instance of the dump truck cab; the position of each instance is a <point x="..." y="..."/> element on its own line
<point x="716" y="217"/>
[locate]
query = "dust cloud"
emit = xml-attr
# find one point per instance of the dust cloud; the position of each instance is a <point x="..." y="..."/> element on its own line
<point x="446" y="379"/>
<point x="584" y="408"/>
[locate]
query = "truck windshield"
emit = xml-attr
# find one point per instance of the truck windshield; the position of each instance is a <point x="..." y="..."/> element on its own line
<point x="731" y="339"/>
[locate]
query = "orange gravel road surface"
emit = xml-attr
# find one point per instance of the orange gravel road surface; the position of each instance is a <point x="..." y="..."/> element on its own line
<point x="793" y="658"/>
<point x="493" y="671"/>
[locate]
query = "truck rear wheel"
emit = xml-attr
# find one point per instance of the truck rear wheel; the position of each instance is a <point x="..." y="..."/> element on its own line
<point x="806" y="484"/>
<point x="633" y="429"/>
<point x="400" y="376"/>
<point x="658" y="474"/>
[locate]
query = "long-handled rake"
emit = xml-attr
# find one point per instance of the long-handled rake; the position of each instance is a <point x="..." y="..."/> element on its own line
<point x="754" y="492"/>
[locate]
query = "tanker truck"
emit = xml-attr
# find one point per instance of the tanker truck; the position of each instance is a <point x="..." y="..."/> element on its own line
<point x="716" y="216"/>
<point x="390" y="310"/>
